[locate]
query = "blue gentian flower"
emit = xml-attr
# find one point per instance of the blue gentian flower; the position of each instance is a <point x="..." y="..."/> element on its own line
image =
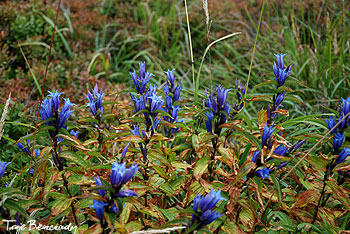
<point x="204" y="205"/>
<point x="171" y="78"/>
<point x="125" y="150"/>
<point x="74" y="133"/>
<point x="152" y="90"/>
<point x="342" y="125"/>
<point x="136" y="131"/>
<point x="3" y="166"/>
<point x="267" y="133"/>
<point x="281" y="76"/>
<point x="48" y="108"/>
<point x="346" y="106"/>
<point x="99" y="207"/>
<point x="342" y="156"/>
<point x="114" y="208"/>
<point x="297" y="145"/>
<point x="24" y="149"/>
<point x="126" y="193"/>
<point x="209" y="121"/>
<point x="222" y="96"/>
<point x="338" y="141"/>
<point x="55" y="98"/>
<point x="223" y="116"/>
<point x="263" y="173"/>
<point x="281" y="150"/>
<point x="141" y="82"/>
<point x="169" y="103"/>
<point x="330" y="124"/>
<point x="279" y="99"/>
<point x="120" y="175"/>
<point x="282" y="165"/>
<point x="95" y="101"/>
<point x="155" y="102"/>
<point x="280" y="60"/>
<point x="177" y="93"/>
<point x="255" y="156"/>
<point x="65" y="113"/>
<point x="139" y="103"/>
<point x="99" y="183"/>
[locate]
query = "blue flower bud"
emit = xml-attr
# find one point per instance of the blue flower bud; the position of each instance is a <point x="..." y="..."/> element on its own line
<point x="24" y="149"/>
<point x="99" y="208"/>
<point x="99" y="183"/>
<point x="263" y="173"/>
<point x="171" y="78"/>
<point x="281" y="150"/>
<point x="342" y="156"/>
<point x="222" y="96"/>
<point x="330" y="124"/>
<point x="279" y="99"/>
<point x="338" y="141"/>
<point x="125" y="150"/>
<point x="209" y="121"/>
<point x="3" y="166"/>
<point x="177" y="93"/>
<point x="267" y="133"/>
<point x="255" y="156"/>
<point x="127" y="193"/>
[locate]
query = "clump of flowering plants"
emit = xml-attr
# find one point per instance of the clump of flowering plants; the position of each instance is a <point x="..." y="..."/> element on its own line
<point x="150" y="158"/>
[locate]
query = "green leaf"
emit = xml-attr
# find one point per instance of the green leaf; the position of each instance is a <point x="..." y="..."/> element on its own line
<point x="201" y="166"/>
<point x="76" y="158"/>
<point x="277" y="187"/>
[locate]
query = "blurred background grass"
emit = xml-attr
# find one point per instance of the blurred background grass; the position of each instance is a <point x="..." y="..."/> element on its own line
<point x="103" y="40"/>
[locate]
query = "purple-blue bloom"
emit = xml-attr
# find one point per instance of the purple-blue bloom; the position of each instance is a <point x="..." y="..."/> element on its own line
<point x="263" y="173"/>
<point x="267" y="133"/>
<point x="95" y="101"/>
<point x="204" y="204"/>
<point x="171" y="79"/>
<point x="126" y="193"/>
<point x="346" y="106"/>
<point x="209" y="121"/>
<point x="55" y="97"/>
<point x="222" y="96"/>
<point x="281" y="150"/>
<point x="341" y="126"/>
<point x="141" y="82"/>
<point x="155" y="102"/>
<point x="279" y="99"/>
<point x="280" y="60"/>
<point x="338" y="141"/>
<point x="331" y="123"/>
<point x="3" y="166"/>
<point x="297" y="145"/>
<point x="342" y="156"/>
<point x="99" y="183"/>
<point x="74" y="133"/>
<point x="255" y="156"/>
<point x="65" y="113"/>
<point x="99" y="207"/>
<point x="24" y="149"/>
<point x="125" y="150"/>
<point x="120" y="175"/>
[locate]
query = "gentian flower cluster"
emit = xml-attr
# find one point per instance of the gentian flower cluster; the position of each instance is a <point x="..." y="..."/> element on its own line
<point x="219" y="110"/>
<point x="281" y="75"/>
<point x="172" y="95"/>
<point x="50" y="110"/>
<point x="95" y="102"/>
<point x="203" y="206"/>
<point x="148" y="101"/>
<point x="339" y="134"/>
<point x="120" y="175"/>
<point x="3" y="166"/>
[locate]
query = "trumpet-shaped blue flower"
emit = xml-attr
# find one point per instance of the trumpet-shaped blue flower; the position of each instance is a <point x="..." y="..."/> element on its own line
<point x="263" y="173"/>
<point x="281" y="150"/>
<point x="330" y="124"/>
<point x="141" y="82"/>
<point x="139" y="103"/>
<point x="280" y="60"/>
<point x="74" y="133"/>
<point x="267" y="134"/>
<point x="95" y="101"/>
<point x="177" y="93"/>
<point x="204" y="205"/>
<point x="279" y="99"/>
<point x="171" y="79"/>
<point x="120" y="175"/>
<point x="99" y="183"/>
<point x="222" y="96"/>
<point x="125" y="150"/>
<point x="281" y="75"/>
<point x="342" y="125"/>
<point x="338" y="141"/>
<point x="24" y="149"/>
<point x="155" y="102"/>
<point x="55" y="98"/>
<point x="342" y="156"/>
<point x="255" y="156"/>
<point x="99" y="207"/>
<point x="3" y="166"/>
<point x="346" y="106"/>
<point x="65" y="113"/>
<point x="209" y="121"/>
